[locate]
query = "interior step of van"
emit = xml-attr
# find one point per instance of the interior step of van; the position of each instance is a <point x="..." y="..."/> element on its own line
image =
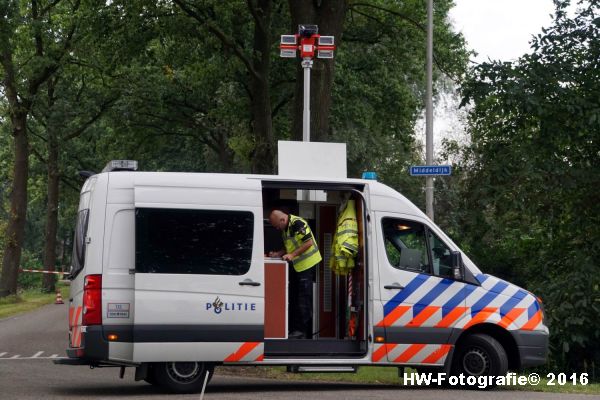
<point x="317" y="347"/>
<point x="322" y="368"/>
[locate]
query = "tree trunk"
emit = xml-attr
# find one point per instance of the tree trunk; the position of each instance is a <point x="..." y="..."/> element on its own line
<point x="264" y="154"/>
<point x="329" y="15"/>
<point x="18" y="206"/>
<point x="225" y="154"/>
<point x="263" y="161"/>
<point x="48" y="282"/>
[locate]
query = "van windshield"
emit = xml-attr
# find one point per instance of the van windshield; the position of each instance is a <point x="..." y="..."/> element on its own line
<point x="78" y="257"/>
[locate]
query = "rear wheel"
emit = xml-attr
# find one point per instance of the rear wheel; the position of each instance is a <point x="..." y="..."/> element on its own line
<point x="480" y="355"/>
<point x="182" y="377"/>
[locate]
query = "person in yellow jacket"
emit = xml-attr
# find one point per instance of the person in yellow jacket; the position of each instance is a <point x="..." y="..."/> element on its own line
<point x="302" y="251"/>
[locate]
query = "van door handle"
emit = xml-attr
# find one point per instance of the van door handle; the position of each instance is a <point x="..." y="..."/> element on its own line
<point x="394" y="286"/>
<point x="249" y="282"/>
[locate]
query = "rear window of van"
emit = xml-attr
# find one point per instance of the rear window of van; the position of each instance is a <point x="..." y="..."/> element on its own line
<point x="81" y="227"/>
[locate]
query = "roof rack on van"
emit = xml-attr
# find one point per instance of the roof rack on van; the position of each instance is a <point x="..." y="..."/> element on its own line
<point x="121" y="165"/>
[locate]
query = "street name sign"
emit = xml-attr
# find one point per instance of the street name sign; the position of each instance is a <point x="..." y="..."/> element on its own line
<point x="430" y="170"/>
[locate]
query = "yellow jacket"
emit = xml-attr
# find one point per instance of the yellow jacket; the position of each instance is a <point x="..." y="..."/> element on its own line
<point x="345" y="241"/>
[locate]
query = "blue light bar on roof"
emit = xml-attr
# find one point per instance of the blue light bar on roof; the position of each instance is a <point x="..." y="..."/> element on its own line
<point x="369" y="175"/>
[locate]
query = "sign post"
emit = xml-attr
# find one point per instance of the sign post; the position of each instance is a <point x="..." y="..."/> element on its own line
<point x="429" y="171"/>
<point x="308" y="42"/>
<point x="429" y="111"/>
<point x="307" y="64"/>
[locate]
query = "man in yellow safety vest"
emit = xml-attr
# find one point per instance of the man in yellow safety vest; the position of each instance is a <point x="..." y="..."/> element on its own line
<point x="302" y="251"/>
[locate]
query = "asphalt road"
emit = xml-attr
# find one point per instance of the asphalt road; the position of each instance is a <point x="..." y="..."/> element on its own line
<point x="28" y="343"/>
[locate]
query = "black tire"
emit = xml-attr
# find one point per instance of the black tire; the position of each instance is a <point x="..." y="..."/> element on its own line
<point x="151" y="380"/>
<point x="182" y="377"/>
<point x="480" y="354"/>
<point x="429" y="370"/>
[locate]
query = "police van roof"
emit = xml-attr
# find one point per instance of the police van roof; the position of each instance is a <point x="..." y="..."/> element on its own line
<point x="384" y="193"/>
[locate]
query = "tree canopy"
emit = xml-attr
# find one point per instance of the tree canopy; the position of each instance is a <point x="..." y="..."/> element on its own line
<point x="527" y="198"/>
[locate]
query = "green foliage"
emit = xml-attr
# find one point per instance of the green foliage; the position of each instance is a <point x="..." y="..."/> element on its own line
<point x="142" y="80"/>
<point x="28" y="300"/>
<point x="28" y="280"/>
<point x="380" y="85"/>
<point x="527" y="194"/>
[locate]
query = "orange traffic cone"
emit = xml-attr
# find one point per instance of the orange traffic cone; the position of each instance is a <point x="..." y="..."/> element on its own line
<point x="59" y="299"/>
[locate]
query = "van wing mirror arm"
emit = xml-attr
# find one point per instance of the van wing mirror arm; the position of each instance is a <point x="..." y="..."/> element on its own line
<point x="461" y="272"/>
<point x="458" y="268"/>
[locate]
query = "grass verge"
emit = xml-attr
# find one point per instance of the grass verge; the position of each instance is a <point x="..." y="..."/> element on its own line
<point x="389" y="376"/>
<point x="29" y="300"/>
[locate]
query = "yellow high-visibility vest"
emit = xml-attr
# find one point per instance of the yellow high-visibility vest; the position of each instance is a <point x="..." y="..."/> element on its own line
<point x="345" y="241"/>
<point x="293" y="241"/>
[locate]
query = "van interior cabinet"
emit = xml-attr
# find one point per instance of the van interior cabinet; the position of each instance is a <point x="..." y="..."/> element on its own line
<point x="276" y="299"/>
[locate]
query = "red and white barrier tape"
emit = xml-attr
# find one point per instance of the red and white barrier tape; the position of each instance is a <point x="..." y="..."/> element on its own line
<point x="41" y="272"/>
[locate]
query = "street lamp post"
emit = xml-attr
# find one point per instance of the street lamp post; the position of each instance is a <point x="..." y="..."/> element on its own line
<point x="308" y="42"/>
<point x="429" y="112"/>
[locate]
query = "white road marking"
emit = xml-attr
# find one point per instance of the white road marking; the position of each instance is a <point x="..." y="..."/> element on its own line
<point x="18" y="357"/>
<point x="36" y="356"/>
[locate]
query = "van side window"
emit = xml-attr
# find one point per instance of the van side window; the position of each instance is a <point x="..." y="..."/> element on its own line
<point x="441" y="256"/>
<point x="210" y="242"/>
<point x="78" y="257"/>
<point x="405" y="244"/>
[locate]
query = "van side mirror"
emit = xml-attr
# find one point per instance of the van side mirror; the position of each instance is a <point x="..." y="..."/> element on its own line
<point x="457" y="265"/>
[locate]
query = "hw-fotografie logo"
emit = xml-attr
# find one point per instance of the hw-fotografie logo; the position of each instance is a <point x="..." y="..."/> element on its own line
<point x="218" y="306"/>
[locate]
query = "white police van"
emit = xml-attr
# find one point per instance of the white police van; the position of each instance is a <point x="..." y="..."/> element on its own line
<point x="169" y="276"/>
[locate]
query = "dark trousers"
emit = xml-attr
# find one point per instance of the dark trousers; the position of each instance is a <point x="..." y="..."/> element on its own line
<point x="300" y="303"/>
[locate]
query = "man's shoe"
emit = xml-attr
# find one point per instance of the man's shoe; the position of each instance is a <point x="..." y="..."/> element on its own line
<point x="296" y="335"/>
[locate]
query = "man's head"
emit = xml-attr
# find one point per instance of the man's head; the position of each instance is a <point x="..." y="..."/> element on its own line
<point x="278" y="219"/>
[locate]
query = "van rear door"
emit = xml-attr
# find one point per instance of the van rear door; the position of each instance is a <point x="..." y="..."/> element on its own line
<point x="199" y="281"/>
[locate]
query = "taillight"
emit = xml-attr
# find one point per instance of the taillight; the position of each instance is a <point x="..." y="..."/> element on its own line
<point x="92" y="300"/>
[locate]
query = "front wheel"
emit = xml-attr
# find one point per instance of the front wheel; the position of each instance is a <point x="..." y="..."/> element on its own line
<point x="480" y="355"/>
<point x="182" y="377"/>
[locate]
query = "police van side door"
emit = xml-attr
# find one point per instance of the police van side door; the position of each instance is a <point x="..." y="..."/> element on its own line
<point x="199" y="283"/>
<point x="419" y="301"/>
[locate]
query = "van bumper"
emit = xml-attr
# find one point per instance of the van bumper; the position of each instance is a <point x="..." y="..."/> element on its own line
<point x="533" y="347"/>
<point x="94" y="348"/>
